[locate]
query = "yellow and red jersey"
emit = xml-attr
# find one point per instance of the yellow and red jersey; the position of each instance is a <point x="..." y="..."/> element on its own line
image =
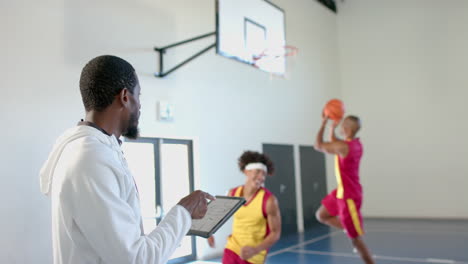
<point x="250" y="226"/>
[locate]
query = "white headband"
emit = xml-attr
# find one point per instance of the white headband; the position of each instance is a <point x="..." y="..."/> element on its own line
<point x="255" y="166"/>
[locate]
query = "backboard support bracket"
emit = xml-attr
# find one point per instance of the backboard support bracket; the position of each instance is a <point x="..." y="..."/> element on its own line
<point x="162" y="51"/>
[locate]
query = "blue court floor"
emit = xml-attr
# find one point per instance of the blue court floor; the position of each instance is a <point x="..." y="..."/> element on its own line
<point x="391" y="241"/>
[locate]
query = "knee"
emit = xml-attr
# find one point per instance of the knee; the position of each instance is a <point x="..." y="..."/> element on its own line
<point x="319" y="216"/>
<point x="356" y="241"/>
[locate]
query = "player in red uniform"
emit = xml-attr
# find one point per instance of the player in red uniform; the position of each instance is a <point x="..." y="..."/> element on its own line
<point x="341" y="208"/>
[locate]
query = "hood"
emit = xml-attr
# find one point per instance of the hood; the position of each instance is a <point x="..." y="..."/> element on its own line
<point x="47" y="171"/>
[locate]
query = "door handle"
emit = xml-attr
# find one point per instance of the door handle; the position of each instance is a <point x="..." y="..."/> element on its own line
<point x="282" y="188"/>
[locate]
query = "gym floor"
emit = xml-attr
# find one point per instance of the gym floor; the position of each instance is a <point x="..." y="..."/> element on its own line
<point x="391" y="241"/>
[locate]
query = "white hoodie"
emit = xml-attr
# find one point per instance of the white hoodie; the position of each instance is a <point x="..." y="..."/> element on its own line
<point x="96" y="216"/>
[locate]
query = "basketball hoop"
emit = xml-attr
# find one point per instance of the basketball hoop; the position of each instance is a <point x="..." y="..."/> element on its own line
<point x="280" y="59"/>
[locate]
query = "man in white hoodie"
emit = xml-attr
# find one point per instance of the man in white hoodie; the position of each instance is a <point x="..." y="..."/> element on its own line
<point x="96" y="216"/>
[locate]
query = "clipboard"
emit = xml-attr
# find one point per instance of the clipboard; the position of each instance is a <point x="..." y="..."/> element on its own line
<point x="219" y="211"/>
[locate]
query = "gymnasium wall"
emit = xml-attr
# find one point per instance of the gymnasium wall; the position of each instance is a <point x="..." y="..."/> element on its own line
<point x="404" y="71"/>
<point x="224" y="106"/>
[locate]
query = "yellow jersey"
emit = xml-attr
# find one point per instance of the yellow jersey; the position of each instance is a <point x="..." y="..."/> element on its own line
<point x="250" y="226"/>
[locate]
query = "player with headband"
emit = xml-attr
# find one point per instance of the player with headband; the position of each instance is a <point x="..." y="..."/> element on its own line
<point x="257" y="224"/>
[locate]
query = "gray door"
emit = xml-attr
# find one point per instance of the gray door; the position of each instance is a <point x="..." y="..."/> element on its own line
<point x="314" y="183"/>
<point x="283" y="184"/>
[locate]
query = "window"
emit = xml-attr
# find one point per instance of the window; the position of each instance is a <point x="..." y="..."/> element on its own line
<point x="163" y="172"/>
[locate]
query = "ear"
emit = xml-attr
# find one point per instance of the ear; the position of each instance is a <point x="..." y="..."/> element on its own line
<point x="123" y="97"/>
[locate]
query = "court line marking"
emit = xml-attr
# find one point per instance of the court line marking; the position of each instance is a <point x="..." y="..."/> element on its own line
<point x="338" y="254"/>
<point x="430" y="232"/>
<point x="203" y="262"/>
<point x="310" y="241"/>
<point x="427" y="260"/>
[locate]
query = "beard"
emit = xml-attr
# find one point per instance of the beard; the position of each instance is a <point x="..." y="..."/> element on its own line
<point x="132" y="130"/>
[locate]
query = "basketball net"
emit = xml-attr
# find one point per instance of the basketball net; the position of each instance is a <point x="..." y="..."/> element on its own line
<point x="271" y="56"/>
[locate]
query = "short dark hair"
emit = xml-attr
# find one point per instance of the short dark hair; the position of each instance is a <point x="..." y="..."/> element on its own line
<point x="103" y="78"/>
<point x="357" y="121"/>
<point x="254" y="157"/>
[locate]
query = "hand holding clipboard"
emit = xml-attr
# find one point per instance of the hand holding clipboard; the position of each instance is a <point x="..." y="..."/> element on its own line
<point x="219" y="211"/>
<point x="196" y="203"/>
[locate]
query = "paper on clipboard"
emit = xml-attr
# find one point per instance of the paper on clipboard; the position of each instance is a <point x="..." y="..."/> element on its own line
<point x="219" y="211"/>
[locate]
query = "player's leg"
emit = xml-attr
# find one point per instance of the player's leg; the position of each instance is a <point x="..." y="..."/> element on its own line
<point x="351" y="219"/>
<point x="324" y="217"/>
<point x="328" y="211"/>
<point x="362" y="249"/>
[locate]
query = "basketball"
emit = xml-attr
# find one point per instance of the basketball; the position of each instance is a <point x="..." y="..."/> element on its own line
<point x="334" y="109"/>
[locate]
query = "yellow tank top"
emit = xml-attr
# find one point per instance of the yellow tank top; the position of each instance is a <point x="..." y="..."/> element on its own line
<point x="250" y="226"/>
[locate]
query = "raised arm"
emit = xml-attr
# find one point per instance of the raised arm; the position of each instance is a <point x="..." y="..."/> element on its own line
<point x="337" y="147"/>
<point x="333" y="137"/>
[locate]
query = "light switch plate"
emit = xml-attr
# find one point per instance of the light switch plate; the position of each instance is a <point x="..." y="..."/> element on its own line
<point x="165" y="111"/>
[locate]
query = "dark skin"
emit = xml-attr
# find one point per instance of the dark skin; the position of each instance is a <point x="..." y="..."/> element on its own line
<point x="116" y="120"/>
<point x="334" y="146"/>
<point x="254" y="181"/>
<point x="339" y="147"/>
